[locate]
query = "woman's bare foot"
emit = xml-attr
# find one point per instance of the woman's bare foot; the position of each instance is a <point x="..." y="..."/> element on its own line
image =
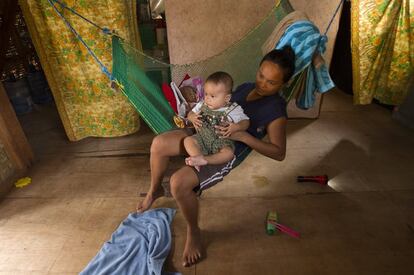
<point x="192" y="251"/>
<point x="146" y="203"/>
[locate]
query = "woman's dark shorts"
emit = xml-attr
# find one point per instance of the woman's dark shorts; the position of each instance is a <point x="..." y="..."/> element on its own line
<point x="210" y="175"/>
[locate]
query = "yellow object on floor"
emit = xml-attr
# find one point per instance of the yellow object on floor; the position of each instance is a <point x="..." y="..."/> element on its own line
<point x="23" y="182"/>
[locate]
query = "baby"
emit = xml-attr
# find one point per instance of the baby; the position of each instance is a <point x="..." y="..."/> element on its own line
<point x="206" y="147"/>
<point x="190" y="95"/>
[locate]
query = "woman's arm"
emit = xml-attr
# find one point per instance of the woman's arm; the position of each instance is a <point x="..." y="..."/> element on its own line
<point x="243" y="124"/>
<point x="227" y="131"/>
<point x="275" y="148"/>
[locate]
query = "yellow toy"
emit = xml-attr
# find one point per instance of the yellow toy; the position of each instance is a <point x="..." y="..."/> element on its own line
<point x="23" y="182"/>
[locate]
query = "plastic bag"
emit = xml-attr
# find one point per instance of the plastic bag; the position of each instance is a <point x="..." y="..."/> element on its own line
<point x="182" y="106"/>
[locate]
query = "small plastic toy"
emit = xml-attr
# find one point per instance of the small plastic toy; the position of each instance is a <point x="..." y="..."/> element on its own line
<point x="182" y="122"/>
<point x="271" y="217"/>
<point x="23" y="182"/>
<point x="272" y="225"/>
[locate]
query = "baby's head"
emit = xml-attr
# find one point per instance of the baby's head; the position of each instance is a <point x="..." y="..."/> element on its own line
<point x="189" y="93"/>
<point x="217" y="90"/>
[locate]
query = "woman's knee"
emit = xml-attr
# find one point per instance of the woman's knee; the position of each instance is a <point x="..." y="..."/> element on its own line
<point x="158" y="144"/>
<point x="177" y="186"/>
<point x="183" y="182"/>
<point x="168" y="143"/>
<point x="189" y="142"/>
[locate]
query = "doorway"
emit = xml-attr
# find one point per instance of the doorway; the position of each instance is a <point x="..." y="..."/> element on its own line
<point x="23" y="79"/>
<point x="341" y="64"/>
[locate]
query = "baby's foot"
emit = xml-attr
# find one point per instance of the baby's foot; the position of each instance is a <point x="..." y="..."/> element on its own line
<point x="188" y="162"/>
<point x="196" y="161"/>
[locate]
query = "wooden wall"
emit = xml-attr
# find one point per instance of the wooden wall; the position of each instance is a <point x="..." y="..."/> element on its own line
<point x="200" y="29"/>
<point x="15" y="152"/>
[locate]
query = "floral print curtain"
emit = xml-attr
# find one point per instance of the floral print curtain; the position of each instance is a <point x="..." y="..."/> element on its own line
<point x="382" y="49"/>
<point x="85" y="102"/>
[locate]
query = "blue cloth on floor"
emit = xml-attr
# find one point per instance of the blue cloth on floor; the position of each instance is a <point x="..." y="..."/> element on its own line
<point x="139" y="245"/>
<point x="304" y="38"/>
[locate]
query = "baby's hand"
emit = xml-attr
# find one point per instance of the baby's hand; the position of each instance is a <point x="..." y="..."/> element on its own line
<point x="195" y="118"/>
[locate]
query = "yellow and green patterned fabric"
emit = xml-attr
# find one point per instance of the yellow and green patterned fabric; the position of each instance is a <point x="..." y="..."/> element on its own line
<point x="382" y="50"/>
<point x="87" y="106"/>
<point x="86" y="103"/>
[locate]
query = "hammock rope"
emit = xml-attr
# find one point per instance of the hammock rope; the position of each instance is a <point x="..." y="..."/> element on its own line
<point x="130" y="72"/>
<point x="333" y="16"/>
<point x="146" y="98"/>
<point x="105" y="30"/>
<point x="103" y="68"/>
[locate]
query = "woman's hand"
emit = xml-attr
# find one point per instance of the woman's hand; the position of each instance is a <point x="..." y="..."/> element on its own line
<point x="227" y="130"/>
<point x="239" y="136"/>
<point x="231" y="131"/>
<point x="195" y="119"/>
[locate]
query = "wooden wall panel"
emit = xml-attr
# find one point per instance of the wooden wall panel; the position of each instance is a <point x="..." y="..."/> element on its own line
<point x="13" y="138"/>
<point x="201" y="29"/>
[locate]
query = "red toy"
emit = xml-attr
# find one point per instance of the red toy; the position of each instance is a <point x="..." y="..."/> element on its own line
<point x="322" y="180"/>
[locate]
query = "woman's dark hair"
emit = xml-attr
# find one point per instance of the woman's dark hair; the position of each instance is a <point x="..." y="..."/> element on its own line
<point x="285" y="58"/>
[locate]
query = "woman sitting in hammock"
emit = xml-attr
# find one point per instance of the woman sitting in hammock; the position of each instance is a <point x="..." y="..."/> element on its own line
<point x="267" y="112"/>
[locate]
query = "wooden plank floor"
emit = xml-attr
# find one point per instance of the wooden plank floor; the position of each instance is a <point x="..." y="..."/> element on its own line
<point x="362" y="223"/>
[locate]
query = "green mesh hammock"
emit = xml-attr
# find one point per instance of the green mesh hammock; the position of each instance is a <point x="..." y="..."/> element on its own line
<point x="132" y="68"/>
<point x="142" y="92"/>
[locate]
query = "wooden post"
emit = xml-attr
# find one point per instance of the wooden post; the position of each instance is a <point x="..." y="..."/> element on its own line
<point x="12" y="136"/>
